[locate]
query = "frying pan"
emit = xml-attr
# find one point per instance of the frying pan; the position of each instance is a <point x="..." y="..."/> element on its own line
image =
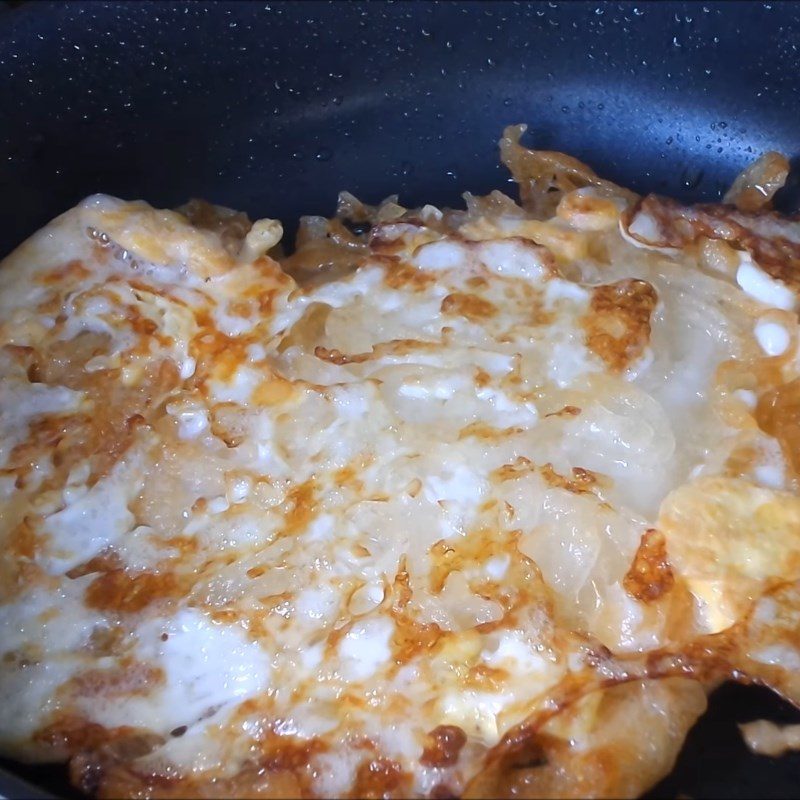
<point x="274" y="107"/>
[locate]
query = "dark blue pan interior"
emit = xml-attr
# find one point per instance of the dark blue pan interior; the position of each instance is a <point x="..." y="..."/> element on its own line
<point x="274" y="107"/>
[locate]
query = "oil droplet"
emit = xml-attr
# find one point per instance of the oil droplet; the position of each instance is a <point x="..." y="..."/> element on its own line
<point x="691" y="177"/>
<point x="324" y="154"/>
<point x="507" y="101"/>
<point x="337" y="101"/>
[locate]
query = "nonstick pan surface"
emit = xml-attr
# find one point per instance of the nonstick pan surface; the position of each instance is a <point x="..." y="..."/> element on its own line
<point x="274" y="107"/>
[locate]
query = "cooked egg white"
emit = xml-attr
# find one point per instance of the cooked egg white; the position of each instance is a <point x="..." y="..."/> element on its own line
<point x="240" y="508"/>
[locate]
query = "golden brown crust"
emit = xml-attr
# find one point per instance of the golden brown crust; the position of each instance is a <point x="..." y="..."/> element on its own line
<point x="615" y="758"/>
<point x="124" y="680"/>
<point x="380" y="778"/>
<point x="618" y="327"/>
<point x="764" y="235"/>
<point x="471" y="306"/>
<point x="119" y="592"/>
<point x="755" y="187"/>
<point x="113" y="414"/>
<point x="650" y="576"/>
<point x="446" y="742"/>
<point x="778" y="414"/>
<point x="582" y="480"/>
<point x="538" y="171"/>
<point x="71" y="736"/>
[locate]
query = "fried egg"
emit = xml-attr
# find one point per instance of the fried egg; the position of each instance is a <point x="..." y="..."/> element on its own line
<point x="428" y="510"/>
